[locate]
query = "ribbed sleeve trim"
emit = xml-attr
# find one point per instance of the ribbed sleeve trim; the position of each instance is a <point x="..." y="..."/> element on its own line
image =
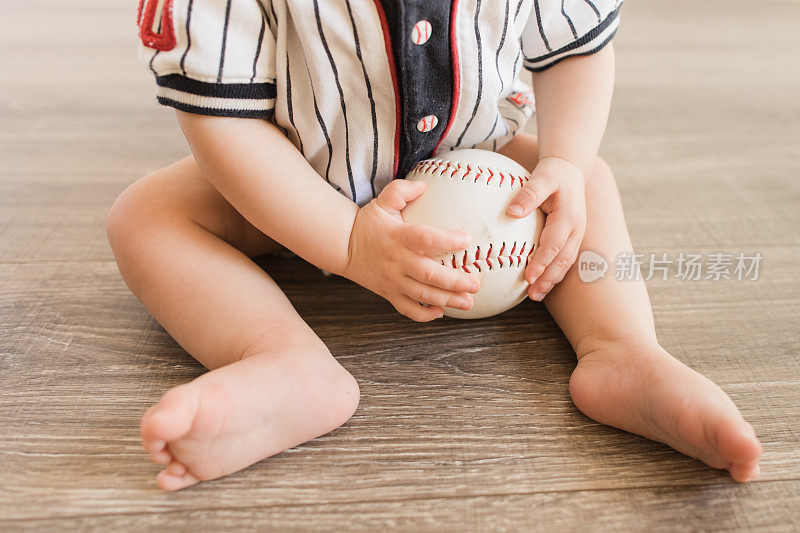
<point x="243" y="100"/>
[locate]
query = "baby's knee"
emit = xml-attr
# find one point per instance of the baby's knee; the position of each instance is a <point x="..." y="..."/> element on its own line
<point x="142" y="211"/>
<point x="128" y="215"/>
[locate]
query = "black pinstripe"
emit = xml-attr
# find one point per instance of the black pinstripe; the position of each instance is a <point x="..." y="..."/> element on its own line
<point x="150" y="64"/>
<point x="224" y="41"/>
<point x="341" y="101"/>
<point x="516" y="13"/>
<point x="265" y="16"/>
<point x="594" y="8"/>
<point x="539" y="24"/>
<point x="517" y="63"/>
<point x="289" y="107"/>
<point x="188" y="36"/>
<point x="153" y="58"/>
<point x="322" y="126"/>
<point x="569" y="21"/>
<point x="258" y="48"/>
<point x="272" y="12"/>
<point x="480" y="73"/>
<point x="494" y="127"/>
<point x="500" y="47"/>
<point x="264" y="21"/>
<point x="371" y="102"/>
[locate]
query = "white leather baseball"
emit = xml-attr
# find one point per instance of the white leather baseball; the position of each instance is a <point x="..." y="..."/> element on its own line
<point x="469" y="190"/>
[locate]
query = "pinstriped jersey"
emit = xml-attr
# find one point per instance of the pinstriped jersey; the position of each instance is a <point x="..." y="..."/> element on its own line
<point x="367" y="88"/>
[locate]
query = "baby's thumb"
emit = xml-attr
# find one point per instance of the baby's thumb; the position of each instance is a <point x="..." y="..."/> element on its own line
<point x="531" y="196"/>
<point x="396" y="195"/>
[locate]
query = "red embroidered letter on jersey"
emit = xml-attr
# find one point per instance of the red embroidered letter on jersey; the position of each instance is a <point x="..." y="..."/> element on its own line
<point x="155" y="24"/>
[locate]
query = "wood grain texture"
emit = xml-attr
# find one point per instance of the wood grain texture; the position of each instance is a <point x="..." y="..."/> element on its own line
<point x="462" y="425"/>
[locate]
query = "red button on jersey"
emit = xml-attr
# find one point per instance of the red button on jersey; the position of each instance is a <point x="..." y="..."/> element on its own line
<point x="421" y="32"/>
<point x="426" y="124"/>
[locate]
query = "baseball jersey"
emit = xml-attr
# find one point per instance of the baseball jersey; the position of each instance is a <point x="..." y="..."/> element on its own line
<point x="367" y="88"/>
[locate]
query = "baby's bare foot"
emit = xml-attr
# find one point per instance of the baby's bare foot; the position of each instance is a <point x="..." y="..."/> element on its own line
<point x="239" y="414"/>
<point x="639" y="387"/>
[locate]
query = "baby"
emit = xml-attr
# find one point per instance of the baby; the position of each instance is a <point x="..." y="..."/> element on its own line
<point x="301" y="115"/>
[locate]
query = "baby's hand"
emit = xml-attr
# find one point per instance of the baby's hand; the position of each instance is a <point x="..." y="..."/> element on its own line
<point x="557" y="187"/>
<point x="393" y="259"/>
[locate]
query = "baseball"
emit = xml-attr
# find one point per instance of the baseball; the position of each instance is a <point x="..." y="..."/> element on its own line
<point x="469" y="190"/>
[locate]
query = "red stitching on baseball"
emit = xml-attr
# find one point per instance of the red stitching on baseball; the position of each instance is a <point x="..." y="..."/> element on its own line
<point x="476" y="261"/>
<point x="449" y="169"/>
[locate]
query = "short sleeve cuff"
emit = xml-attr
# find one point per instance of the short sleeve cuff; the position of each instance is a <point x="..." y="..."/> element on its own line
<point x="241" y="100"/>
<point x="588" y="44"/>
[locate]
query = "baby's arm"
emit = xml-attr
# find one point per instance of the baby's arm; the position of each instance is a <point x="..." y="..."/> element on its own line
<point x="572" y="103"/>
<point x="268" y="181"/>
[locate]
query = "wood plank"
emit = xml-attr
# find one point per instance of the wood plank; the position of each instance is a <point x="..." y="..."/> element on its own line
<point x="723" y="507"/>
<point x="462" y="425"/>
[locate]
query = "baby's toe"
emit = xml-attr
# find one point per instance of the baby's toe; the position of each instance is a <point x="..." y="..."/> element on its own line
<point x="172" y="417"/>
<point x="175" y="477"/>
<point x="158" y="451"/>
<point x="176" y="469"/>
<point x="745" y="473"/>
<point x="736" y="442"/>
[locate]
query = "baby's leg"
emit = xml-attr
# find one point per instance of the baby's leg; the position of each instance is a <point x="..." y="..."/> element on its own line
<point x="624" y="378"/>
<point x="183" y="250"/>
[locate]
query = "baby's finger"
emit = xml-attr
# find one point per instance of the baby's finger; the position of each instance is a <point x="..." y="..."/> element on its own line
<point x="394" y="197"/>
<point x="556" y="271"/>
<point x="431" y="272"/>
<point x="531" y="196"/>
<point x="423" y="238"/>
<point x="430" y="295"/>
<point x="554" y="235"/>
<point x="413" y="310"/>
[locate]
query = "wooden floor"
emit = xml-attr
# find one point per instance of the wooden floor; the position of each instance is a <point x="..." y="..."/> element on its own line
<point x="462" y="425"/>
